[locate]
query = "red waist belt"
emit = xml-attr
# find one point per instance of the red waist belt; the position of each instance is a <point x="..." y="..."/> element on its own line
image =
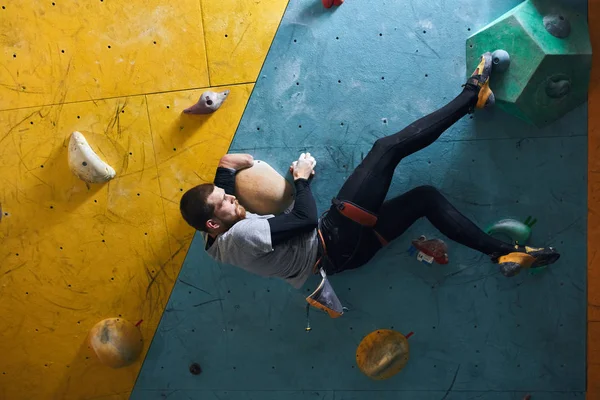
<point x="354" y="213"/>
<point x="358" y="215"/>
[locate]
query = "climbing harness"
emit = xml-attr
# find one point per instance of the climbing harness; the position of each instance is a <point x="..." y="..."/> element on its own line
<point x="324" y="297"/>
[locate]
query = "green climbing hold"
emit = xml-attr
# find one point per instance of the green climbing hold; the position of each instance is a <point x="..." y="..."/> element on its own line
<point x="550" y="60"/>
<point x="517" y="231"/>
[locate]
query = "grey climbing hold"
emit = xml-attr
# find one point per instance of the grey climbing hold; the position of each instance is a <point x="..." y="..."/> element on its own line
<point x="208" y="103"/>
<point x="557" y="25"/>
<point x="500" y="60"/>
<point x="558" y="86"/>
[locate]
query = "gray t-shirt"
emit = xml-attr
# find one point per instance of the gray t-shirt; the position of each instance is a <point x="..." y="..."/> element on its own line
<point x="247" y="245"/>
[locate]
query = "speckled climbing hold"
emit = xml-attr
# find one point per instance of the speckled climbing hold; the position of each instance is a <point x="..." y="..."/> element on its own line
<point x="208" y="103"/>
<point x="551" y="59"/>
<point x="431" y="250"/>
<point x="500" y="61"/>
<point x="116" y="342"/>
<point x="557" y="25"/>
<point x="517" y="231"/>
<point x="382" y="354"/>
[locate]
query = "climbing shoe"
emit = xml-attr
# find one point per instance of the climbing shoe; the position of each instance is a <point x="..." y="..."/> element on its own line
<point x="480" y="79"/>
<point x="528" y="257"/>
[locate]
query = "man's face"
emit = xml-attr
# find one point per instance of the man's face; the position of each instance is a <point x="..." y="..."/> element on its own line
<point x="227" y="209"/>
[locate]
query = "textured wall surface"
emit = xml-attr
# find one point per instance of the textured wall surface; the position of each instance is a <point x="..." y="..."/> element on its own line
<point x="120" y="72"/>
<point x="333" y="82"/>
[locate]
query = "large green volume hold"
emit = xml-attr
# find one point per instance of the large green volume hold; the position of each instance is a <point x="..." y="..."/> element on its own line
<point x="550" y="60"/>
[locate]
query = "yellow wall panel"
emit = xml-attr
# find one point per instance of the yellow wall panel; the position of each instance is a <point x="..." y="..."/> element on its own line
<point x="72" y="256"/>
<point x="188" y="148"/>
<point x="238" y="37"/>
<point x="70" y="50"/>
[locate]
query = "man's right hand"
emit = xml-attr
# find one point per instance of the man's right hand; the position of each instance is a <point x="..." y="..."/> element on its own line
<point x="304" y="167"/>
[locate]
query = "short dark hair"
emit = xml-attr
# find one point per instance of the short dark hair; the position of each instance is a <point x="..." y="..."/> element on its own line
<point x="195" y="208"/>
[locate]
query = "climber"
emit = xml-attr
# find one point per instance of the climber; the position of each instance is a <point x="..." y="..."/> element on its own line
<point x="295" y="244"/>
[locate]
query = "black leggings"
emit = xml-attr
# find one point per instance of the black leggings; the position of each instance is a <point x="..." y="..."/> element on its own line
<point x="350" y="245"/>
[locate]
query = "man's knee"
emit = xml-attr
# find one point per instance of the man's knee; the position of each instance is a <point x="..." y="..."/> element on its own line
<point x="381" y="145"/>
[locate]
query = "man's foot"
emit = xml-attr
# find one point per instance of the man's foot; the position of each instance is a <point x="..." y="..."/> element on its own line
<point x="528" y="257"/>
<point x="480" y="78"/>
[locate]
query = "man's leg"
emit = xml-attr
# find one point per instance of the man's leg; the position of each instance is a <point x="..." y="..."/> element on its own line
<point x="368" y="185"/>
<point x="398" y="214"/>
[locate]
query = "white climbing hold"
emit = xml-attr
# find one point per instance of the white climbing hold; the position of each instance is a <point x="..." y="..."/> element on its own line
<point x="208" y="103"/>
<point x="85" y="163"/>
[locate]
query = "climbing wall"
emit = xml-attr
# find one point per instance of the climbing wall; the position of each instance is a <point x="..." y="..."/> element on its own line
<point x="333" y="82"/>
<point x="120" y="72"/>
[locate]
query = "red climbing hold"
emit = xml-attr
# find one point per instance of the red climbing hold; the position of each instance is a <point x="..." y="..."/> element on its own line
<point x="331" y="3"/>
<point x="435" y="248"/>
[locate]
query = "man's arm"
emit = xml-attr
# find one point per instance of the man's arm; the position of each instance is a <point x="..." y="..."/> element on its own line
<point x="303" y="217"/>
<point x="236" y="161"/>
<point x="228" y="166"/>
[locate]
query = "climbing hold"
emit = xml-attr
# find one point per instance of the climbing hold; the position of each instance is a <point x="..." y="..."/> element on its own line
<point x="208" y="103"/>
<point x="558" y="86"/>
<point x="195" y="369"/>
<point x="116" y="342"/>
<point x="262" y="190"/>
<point x="430" y="250"/>
<point x="382" y="354"/>
<point x="85" y="163"/>
<point x="331" y="3"/>
<point x="557" y="25"/>
<point x="500" y="61"/>
<point x="517" y="231"/>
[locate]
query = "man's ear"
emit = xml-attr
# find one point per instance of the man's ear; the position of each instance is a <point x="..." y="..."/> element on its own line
<point x="213" y="224"/>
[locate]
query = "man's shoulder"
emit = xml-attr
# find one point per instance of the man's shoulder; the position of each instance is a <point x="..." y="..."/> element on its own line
<point x="250" y="233"/>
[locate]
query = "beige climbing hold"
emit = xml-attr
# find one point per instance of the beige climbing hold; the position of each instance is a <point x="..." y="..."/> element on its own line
<point x="116" y="342"/>
<point x="262" y="190"/>
<point x="85" y="163"/>
<point x="208" y="103"/>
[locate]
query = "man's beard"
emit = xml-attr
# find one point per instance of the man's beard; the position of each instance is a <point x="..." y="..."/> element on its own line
<point x="240" y="211"/>
<point x="240" y="214"/>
